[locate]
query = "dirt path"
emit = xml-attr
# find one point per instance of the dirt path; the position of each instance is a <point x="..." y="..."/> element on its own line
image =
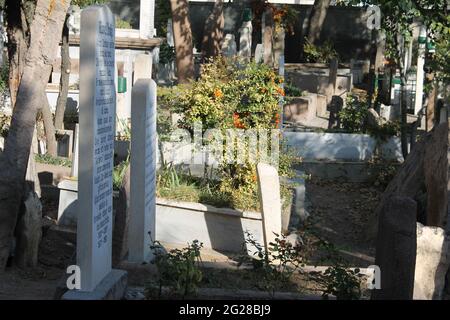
<point x="339" y="214"/>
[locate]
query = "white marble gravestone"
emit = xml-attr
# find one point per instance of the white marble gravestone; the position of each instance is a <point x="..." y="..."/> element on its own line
<point x="270" y="199"/>
<point x="143" y="171"/>
<point x="245" y="40"/>
<point x="142" y="67"/>
<point x="96" y="152"/>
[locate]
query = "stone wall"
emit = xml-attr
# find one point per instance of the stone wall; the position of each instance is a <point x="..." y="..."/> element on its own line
<point x="345" y="27"/>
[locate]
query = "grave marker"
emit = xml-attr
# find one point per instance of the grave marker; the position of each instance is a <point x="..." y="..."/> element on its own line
<point x="96" y="150"/>
<point x="270" y="199"/>
<point x="143" y="170"/>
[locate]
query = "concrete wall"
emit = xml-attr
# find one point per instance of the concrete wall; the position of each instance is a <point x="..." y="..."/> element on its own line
<point x="219" y="229"/>
<point x="340" y="146"/>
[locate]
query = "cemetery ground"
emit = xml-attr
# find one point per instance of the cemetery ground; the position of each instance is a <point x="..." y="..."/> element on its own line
<point x="335" y="231"/>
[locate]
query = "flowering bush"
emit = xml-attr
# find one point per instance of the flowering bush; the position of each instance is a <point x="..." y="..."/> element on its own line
<point x="228" y="95"/>
<point x="231" y="95"/>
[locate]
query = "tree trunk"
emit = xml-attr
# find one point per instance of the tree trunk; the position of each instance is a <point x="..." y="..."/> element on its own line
<point x="48" y="20"/>
<point x="18" y="43"/>
<point x="372" y="71"/>
<point x="65" y="77"/>
<point x="431" y="105"/>
<point x="404" y="121"/>
<point x="50" y="134"/>
<point x="316" y="19"/>
<point x="182" y="35"/>
<point x="213" y="32"/>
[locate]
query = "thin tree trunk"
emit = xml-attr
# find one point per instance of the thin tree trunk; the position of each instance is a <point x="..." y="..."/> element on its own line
<point x="431" y="105"/>
<point x="65" y="78"/>
<point x="316" y="19"/>
<point x="404" y="121"/>
<point x="50" y="134"/>
<point x="213" y="32"/>
<point x="372" y="71"/>
<point x="48" y="19"/>
<point x="182" y="34"/>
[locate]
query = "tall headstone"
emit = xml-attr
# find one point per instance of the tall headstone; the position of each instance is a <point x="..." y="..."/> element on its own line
<point x="267" y="31"/>
<point x="142" y="67"/>
<point x="245" y="40"/>
<point x="420" y="73"/>
<point x="147" y="19"/>
<point x="97" y="132"/>
<point x="143" y="171"/>
<point x="270" y="199"/>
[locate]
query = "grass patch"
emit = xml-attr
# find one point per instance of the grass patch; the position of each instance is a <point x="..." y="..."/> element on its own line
<point x="56" y="161"/>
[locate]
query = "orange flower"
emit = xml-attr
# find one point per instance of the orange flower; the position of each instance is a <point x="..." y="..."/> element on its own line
<point x="218" y="93"/>
<point x="254" y="178"/>
<point x="281" y="91"/>
<point x="237" y="122"/>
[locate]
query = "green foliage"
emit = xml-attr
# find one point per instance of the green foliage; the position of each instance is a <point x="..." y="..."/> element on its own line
<point x="87" y="3"/>
<point x="178" y="269"/>
<point x="319" y="54"/>
<point x="5" y="121"/>
<point x="231" y="95"/>
<point x="119" y="173"/>
<point x="277" y="264"/>
<point x="166" y="53"/>
<point x="162" y="14"/>
<point x="172" y="185"/>
<point x="342" y="282"/>
<point x="4" y="79"/>
<point x="292" y="91"/>
<point x="354" y="115"/>
<point x="56" y="161"/>
<point x="122" y="24"/>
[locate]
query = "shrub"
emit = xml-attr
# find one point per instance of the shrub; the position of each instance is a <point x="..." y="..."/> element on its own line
<point x="320" y="54"/>
<point x="232" y="95"/>
<point x="178" y="269"/>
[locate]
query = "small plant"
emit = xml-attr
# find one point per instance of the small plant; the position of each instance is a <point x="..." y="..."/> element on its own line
<point x="277" y="264"/>
<point x="353" y="115"/>
<point x="178" y="269"/>
<point x="122" y="24"/>
<point x="56" y="161"/>
<point x="320" y="54"/>
<point x="344" y="283"/>
<point x="119" y="174"/>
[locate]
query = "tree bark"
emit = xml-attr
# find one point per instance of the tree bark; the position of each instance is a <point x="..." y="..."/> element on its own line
<point x="65" y="78"/>
<point x="316" y="19"/>
<point x="213" y="32"/>
<point x="48" y="19"/>
<point x="50" y="133"/>
<point x="182" y="34"/>
<point x="18" y="42"/>
<point x="431" y="105"/>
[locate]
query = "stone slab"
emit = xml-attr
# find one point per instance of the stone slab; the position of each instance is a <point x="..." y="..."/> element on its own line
<point x="112" y="287"/>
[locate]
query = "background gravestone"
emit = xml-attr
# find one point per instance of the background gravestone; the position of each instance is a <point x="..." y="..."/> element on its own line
<point x="396" y="249"/>
<point x="96" y="149"/>
<point x="143" y="170"/>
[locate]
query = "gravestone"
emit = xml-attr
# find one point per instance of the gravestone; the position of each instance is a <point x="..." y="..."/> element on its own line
<point x="75" y="155"/>
<point x="245" y="40"/>
<point x="259" y="52"/>
<point x="143" y="171"/>
<point x="432" y="263"/>
<point x="267" y="31"/>
<point x="270" y="199"/>
<point x="229" y="45"/>
<point x="97" y="132"/>
<point x="142" y="67"/>
<point x="147" y="19"/>
<point x="396" y="249"/>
